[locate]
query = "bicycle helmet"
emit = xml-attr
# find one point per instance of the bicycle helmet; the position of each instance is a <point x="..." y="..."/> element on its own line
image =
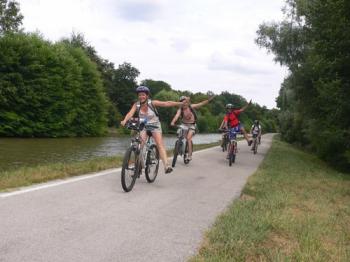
<point x="229" y="106"/>
<point x="256" y="122"/>
<point x="142" y="89"/>
<point x="182" y="98"/>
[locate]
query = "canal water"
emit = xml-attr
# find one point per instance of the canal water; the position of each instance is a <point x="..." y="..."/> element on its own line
<point x="16" y="152"/>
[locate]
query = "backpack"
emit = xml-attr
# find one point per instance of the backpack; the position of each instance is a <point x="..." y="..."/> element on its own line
<point x="193" y="112"/>
<point x="149" y="104"/>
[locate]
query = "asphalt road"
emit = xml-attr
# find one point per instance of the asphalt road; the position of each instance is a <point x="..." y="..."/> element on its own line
<point x="90" y="218"/>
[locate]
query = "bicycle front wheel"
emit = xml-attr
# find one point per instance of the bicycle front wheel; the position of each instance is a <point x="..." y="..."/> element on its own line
<point x="130" y="169"/>
<point x="152" y="164"/>
<point x="186" y="161"/>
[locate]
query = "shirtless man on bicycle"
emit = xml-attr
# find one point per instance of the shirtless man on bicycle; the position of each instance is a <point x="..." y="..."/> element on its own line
<point x="189" y="119"/>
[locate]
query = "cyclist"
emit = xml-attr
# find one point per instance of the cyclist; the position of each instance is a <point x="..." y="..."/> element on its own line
<point x="146" y="109"/>
<point x="231" y="120"/>
<point x="256" y="130"/>
<point x="189" y="119"/>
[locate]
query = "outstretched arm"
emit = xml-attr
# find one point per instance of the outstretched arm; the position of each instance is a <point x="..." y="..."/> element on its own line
<point x="166" y="103"/>
<point x="129" y="115"/>
<point x="176" y="117"/>
<point x="202" y="103"/>
<point x="245" y="107"/>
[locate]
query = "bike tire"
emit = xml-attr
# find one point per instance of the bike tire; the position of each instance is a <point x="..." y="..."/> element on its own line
<point x="186" y="161"/>
<point x="176" y="153"/>
<point x="152" y="161"/>
<point x="127" y="180"/>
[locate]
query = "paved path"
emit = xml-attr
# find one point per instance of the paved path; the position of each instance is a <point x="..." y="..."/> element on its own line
<point x="92" y="219"/>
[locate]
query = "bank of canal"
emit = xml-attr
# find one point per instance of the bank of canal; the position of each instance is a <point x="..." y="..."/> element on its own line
<point x="16" y="152"/>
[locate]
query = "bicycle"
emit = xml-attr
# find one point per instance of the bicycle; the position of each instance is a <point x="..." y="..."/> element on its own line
<point x="138" y="157"/>
<point x="255" y="143"/>
<point x="232" y="144"/>
<point x="180" y="147"/>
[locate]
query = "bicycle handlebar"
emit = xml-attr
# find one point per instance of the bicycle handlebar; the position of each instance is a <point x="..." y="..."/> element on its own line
<point x="140" y="126"/>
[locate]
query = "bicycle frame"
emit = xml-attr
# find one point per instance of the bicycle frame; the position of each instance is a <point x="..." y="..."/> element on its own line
<point x="232" y="146"/>
<point x="181" y="132"/>
<point x="141" y="149"/>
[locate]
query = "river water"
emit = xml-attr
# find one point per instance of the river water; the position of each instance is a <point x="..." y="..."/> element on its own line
<point x="17" y="152"/>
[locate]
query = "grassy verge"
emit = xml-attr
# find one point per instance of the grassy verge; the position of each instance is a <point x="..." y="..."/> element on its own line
<point x="26" y="176"/>
<point x="294" y="208"/>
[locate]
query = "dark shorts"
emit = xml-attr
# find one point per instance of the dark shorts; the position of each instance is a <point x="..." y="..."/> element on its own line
<point x="238" y="127"/>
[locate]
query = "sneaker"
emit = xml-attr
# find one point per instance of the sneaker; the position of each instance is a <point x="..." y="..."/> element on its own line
<point x="189" y="158"/>
<point x="250" y="142"/>
<point x="168" y="170"/>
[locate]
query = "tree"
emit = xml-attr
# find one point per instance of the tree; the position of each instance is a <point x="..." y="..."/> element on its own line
<point x="106" y="69"/>
<point x="156" y="86"/>
<point x="122" y="91"/>
<point x="48" y="90"/>
<point x="313" y="41"/>
<point x="166" y="114"/>
<point x="10" y="17"/>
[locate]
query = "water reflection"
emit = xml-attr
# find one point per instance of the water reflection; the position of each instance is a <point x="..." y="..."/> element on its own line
<point x="15" y="152"/>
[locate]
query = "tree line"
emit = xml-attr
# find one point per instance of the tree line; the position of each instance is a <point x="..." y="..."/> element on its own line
<point x="313" y="41"/>
<point x="65" y="88"/>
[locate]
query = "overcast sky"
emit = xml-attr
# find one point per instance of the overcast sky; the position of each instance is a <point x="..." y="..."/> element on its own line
<point x="196" y="45"/>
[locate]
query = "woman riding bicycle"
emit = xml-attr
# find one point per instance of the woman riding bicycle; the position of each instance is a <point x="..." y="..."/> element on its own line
<point x="189" y="119"/>
<point x="146" y="109"/>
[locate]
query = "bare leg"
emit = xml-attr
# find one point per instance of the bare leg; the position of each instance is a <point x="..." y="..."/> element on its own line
<point x="158" y="138"/>
<point x="189" y="142"/>
<point x="245" y="135"/>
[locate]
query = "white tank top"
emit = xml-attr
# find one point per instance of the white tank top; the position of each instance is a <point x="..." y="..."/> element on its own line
<point x="150" y="115"/>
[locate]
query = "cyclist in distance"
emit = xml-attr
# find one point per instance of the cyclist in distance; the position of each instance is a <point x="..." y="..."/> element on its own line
<point x="189" y="118"/>
<point x="145" y="108"/>
<point x="256" y="130"/>
<point x="231" y="120"/>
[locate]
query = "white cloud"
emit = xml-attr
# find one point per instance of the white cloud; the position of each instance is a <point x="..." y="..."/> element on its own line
<point x="199" y="45"/>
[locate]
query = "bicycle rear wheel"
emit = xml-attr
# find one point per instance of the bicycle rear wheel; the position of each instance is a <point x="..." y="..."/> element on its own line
<point x="176" y="152"/>
<point x="152" y="164"/>
<point x="130" y="169"/>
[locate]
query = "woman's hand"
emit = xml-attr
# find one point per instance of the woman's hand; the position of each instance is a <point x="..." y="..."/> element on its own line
<point x="211" y="98"/>
<point x="123" y="122"/>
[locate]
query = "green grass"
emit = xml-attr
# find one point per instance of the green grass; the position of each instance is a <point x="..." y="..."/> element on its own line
<point x="294" y="208"/>
<point x="26" y="176"/>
